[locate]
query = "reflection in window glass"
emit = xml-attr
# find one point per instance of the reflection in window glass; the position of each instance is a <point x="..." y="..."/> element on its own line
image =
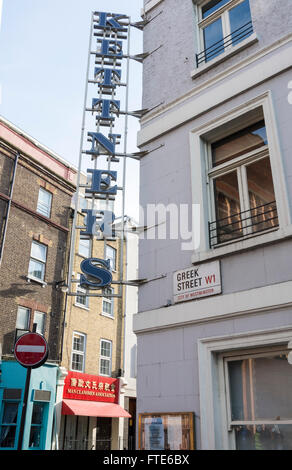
<point x="240" y="143"/>
<point x="23" y="317"/>
<point x="37" y="261"/>
<point x="36" y="425"/>
<point x="44" y="202"/>
<point x="263" y="210"/>
<point x="260" y="393"/>
<point x="240" y="18"/>
<point x="39" y="319"/>
<point x="172" y="431"/>
<point x="227" y="205"/>
<point x="8" y="424"/>
<point x="78" y="352"/>
<point x="213" y="40"/>
<point x="212" y="6"/>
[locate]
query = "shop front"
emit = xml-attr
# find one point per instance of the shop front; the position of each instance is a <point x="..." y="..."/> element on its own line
<point x="90" y="413"/>
<point x="40" y="407"/>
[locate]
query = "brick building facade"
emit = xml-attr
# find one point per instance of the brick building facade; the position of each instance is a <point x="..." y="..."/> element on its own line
<point x="36" y="188"/>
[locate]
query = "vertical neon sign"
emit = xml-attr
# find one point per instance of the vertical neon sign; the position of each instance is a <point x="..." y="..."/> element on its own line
<point x="112" y="34"/>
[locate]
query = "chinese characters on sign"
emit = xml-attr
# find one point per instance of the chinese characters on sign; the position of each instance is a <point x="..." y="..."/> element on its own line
<point x="91" y="387"/>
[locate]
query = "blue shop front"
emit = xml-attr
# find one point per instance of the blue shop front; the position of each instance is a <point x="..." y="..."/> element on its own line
<point x="40" y="407"/>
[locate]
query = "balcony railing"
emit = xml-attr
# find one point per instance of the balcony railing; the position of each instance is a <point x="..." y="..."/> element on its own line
<point x="241" y="224"/>
<point x="231" y="40"/>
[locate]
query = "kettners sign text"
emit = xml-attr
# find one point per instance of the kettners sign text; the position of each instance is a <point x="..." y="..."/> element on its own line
<point x="110" y="30"/>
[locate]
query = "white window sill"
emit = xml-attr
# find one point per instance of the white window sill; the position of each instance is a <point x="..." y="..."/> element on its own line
<point x="35" y="279"/>
<point x="225" y="55"/>
<point x="244" y="244"/>
<point x="81" y="306"/>
<point x="107" y="315"/>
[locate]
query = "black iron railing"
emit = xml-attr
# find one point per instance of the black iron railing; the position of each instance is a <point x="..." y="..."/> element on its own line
<point x="241" y="224"/>
<point x="231" y="40"/>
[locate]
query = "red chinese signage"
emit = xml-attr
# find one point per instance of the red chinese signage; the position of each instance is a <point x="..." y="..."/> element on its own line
<point x="80" y="386"/>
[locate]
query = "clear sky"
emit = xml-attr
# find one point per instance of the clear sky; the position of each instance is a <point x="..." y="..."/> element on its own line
<point x="43" y="58"/>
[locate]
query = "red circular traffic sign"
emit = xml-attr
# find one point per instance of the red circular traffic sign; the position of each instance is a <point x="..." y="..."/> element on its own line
<point x="31" y="350"/>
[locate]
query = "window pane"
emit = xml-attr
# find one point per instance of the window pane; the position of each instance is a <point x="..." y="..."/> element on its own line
<point x="38" y="251"/>
<point x="78" y="342"/>
<point x="107" y="307"/>
<point x="239" y="143"/>
<point x="240" y="22"/>
<point x="39" y="319"/>
<point x="10" y="413"/>
<point x="111" y="255"/>
<point x="7" y="436"/>
<point x="213" y="40"/>
<point x="105" y="367"/>
<point x="22" y="321"/>
<point x="37" y="413"/>
<point x="77" y="362"/>
<point x="228" y="221"/>
<point x="36" y="269"/>
<point x="36" y="428"/>
<point x="105" y="349"/>
<point x="264" y="437"/>
<point x="9" y="417"/>
<point x="261" y="195"/>
<point x="44" y="202"/>
<point x="84" y="248"/>
<point x="260" y="388"/>
<point x="212" y="6"/>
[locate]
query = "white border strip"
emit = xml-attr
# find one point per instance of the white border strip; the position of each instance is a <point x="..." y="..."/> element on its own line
<point x="259" y="299"/>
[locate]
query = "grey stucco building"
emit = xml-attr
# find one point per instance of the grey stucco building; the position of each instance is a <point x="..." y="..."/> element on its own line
<point x="216" y="193"/>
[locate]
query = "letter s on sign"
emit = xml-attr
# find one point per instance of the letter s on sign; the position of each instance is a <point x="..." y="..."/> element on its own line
<point x="98" y="269"/>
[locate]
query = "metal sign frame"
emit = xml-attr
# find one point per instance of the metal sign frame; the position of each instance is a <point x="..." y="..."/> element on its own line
<point x="110" y="31"/>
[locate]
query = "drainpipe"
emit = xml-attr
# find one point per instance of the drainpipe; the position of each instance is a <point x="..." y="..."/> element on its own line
<point x="8" y="207"/>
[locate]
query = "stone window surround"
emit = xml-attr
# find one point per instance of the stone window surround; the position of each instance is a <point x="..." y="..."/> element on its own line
<point x="199" y="196"/>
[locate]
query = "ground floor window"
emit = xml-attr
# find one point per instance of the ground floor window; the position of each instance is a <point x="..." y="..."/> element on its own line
<point x="8" y="424"/>
<point x="37" y="421"/>
<point x="259" y="400"/>
<point x="86" y="433"/>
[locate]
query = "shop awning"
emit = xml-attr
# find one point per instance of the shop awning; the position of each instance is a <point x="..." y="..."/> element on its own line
<point x="93" y="408"/>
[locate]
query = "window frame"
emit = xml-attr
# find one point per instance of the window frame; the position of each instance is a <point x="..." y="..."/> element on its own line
<point x="113" y="268"/>
<point x="78" y="352"/>
<point x="223" y="13"/>
<point x="81" y="290"/>
<point x="105" y="358"/>
<point x="44" y="263"/>
<point x="240" y="165"/>
<point x="28" y="320"/>
<point x="108" y="300"/>
<point x="248" y="354"/>
<point x="199" y="140"/>
<point x="49" y="211"/>
<point x="44" y="317"/>
<point x="38" y="426"/>
<point x="213" y="405"/>
<point x="81" y="240"/>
